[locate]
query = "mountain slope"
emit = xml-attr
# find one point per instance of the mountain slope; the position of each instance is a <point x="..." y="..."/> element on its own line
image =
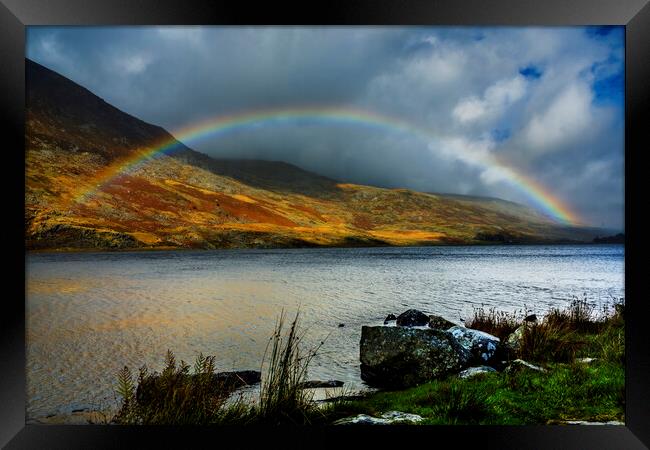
<point x="74" y="140"/>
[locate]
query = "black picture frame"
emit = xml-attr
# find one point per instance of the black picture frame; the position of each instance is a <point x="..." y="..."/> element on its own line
<point x="16" y="14"/>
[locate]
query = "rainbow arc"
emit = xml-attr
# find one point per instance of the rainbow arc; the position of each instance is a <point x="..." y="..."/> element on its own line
<point x="540" y="196"/>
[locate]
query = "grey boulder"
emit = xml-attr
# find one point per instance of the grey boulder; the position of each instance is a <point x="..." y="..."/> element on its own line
<point x="402" y="357"/>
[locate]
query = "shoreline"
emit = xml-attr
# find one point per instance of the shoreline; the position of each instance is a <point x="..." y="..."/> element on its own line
<point x="70" y="250"/>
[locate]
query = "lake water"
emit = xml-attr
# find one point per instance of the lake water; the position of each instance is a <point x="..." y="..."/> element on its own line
<point x="89" y="314"/>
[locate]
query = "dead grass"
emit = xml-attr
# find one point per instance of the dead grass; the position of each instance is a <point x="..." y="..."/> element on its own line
<point x="497" y="323"/>
<point x="563" y="333"/>
<point x="282" y="401"/>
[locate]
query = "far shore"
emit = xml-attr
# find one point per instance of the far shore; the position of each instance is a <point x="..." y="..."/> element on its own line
<point x="181" y="249"/>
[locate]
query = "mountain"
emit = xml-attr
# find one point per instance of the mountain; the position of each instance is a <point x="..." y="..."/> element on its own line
<point x="75" y="141"/>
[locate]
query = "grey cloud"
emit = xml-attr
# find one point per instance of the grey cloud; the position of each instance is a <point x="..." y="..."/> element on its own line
<point x="175" y="76"/>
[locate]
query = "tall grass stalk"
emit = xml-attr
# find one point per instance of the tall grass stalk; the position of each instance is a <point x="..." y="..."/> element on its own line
<point x="281" y="398"/>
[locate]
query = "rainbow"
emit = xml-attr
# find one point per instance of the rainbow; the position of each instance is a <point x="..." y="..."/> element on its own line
<point x="220" y="125"/>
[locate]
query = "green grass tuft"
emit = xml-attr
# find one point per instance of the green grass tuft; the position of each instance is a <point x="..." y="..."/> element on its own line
<point x="567" y="391"/>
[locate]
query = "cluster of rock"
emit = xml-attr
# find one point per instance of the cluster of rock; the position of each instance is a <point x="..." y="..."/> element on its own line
<point x="389" y="418"/>
<point x="423" y="347"/>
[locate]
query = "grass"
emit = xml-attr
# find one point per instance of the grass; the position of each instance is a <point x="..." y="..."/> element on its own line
<point x="181" y="395"/>
<point x="567" y="390"/>
<point x="497" y="323"/>
<point x="281" y="398"/>
<point x="562" y="334"/>
<point x="578" y="330"/>
<point x="173" y="397"/>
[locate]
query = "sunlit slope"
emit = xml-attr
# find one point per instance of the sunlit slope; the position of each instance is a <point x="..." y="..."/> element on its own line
<point x="73" y="139"/>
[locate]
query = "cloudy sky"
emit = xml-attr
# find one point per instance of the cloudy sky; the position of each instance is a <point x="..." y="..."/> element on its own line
<point x="546" y="102"/>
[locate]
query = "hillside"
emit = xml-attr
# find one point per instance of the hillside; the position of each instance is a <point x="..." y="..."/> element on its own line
<point x="189" y="200"/>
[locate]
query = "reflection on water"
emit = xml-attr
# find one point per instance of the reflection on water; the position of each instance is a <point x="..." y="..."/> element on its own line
<point x="89" y="314"/>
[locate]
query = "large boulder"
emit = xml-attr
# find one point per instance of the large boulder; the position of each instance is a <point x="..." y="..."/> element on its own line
<point x="484" y="348"/>
<point x="402" y="357"/>
<point x="412" y="318"/>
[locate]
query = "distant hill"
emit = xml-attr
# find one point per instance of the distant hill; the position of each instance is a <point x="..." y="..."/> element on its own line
<point x="614" y="239"/>
<point x="74" y="139"/>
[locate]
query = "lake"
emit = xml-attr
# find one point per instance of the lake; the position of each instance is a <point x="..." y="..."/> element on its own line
<point x="89" y="314"/>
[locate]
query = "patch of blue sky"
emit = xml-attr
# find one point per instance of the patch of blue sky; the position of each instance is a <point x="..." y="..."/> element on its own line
<point x="500" y="134"/>
<point x="531" y="72"/>
<point x="609" y="90"/>
<point x="602" y="31"/>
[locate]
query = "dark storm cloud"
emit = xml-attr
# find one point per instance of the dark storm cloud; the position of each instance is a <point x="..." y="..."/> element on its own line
<point x="547" y="100"/>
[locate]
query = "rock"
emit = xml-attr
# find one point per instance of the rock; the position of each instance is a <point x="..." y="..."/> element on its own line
<point x="239" y="378"/>
<point x="519" y="364"/>
<point x="473" y="371"/>
<point x="402" y="356"/>
<point x="412" y="318"/>
<point x="320" y="384"/>
<point x="440" y="323"/>
<point x="385" y="419"/>
<point x="586" y="360"/>
<point x="361" y="419"/>
<point x="340" y="398"/>
<point x="514" y="339"/>
<point x="398" y="416"/>
<point x="531" y="318"/>
<point x="341" y="325"/>
<point x="484" y="348"/>
<point x="585" y="422"/>
<point x="389" y="318"/>
<point x="75" y="418"/>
